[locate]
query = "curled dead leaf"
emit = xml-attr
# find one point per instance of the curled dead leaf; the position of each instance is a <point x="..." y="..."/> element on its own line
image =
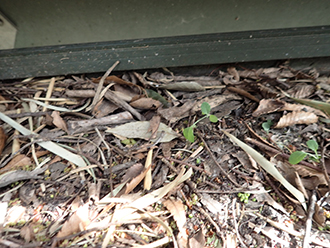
<point x="58" y="121"/>
<point x="297" y="117"/>
<point x="146" y="103"/>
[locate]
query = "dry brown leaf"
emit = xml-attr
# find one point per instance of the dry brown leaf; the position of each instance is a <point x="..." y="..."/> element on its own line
<point x="176" y="208"/>
<point x="198" y="240"/>
<point x="59" y="122"/>
<point x="175" y="114"/>
<point x="27" y="233"/>
<point x="3" y="139"/>
<point x="267" y="106"/>
<point x="146" y="103"/>
<point x="77" y="222"/>
<point x="154" y="125"/>
<point x="301" y="107"/>
<point x="301" y="90"/>
<point x="297" y="117"/>
<point x="232" y="71"/>
<point x="148" y="176"/>
<point x="18" y="162"/>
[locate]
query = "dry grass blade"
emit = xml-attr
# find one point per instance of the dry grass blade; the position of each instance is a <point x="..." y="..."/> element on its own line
<point x="270" y="168"/>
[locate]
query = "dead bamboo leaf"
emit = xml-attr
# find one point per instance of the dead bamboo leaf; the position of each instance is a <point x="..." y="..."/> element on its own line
<point x="139" y="129"/>
<point x="269" y="167"/>
<point x="58" y="121"/>
<point x="51" y="146"/>
<point x="296" y="117"/>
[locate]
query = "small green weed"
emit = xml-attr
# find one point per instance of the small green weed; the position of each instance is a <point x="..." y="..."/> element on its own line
<point x="188" y="132"/>
<point x="266" y="125"/>
<point x="298" y="156"/>
<point x="244" y="197"/>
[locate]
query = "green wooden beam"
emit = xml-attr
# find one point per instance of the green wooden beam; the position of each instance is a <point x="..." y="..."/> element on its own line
<point x="166" y="52"/>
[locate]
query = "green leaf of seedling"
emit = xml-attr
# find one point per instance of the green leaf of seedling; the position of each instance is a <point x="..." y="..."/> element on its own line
<point x="188" y="133"/>
<point x="206" y="108"/>
<point x="312" y="144"/>
<point x="266" y="125"/>
<point x="297" y="157"/>
<point x="213" y="118"/>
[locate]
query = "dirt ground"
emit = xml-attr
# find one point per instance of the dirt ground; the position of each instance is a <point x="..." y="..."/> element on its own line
<point x="235" y="157"/>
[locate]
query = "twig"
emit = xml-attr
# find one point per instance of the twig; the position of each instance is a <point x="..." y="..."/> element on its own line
<point x="215" y="160"/>
<point x="309" y="219"/>
<point x="235" y="223"/>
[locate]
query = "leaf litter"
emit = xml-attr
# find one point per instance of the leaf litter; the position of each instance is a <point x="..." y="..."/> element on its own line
<point x="103" y="161"/>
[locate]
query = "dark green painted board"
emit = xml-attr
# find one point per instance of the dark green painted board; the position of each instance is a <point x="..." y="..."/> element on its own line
<point x="166" y="52"/>
<point x="62" y="22"/>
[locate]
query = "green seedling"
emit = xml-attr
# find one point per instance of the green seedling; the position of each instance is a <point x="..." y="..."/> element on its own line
<point x="244" y="197"/>
<point x="266" y="125"/>
<point x="188" y="132"/>
<point x="297" y="156"/>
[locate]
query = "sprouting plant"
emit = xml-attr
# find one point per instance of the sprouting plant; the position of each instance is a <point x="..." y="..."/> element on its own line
<point x="244" y="197"/>
<point x="188" y="132"/>
<point x="298" y="156"/>
<point x="266" y="125"/>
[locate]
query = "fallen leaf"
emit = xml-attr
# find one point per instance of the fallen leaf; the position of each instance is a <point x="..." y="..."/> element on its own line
<point x="269" y="167"/>
<point x="301" y="90"/>
<point x="154" y="125"/>
<point x="139" y="129"/>
<point x="183" y="86"/>
<point x="146" y="103"/>
<point x="77" y="222"/>
<point x="27" y="233"/>
<point x="58" y="121"/>
<point x="198" y="240"/>
<point x="176" y="208"/>
<point x="18" y="162"/>
<point x="296" y="117"/>
<point x="3" y="139"/>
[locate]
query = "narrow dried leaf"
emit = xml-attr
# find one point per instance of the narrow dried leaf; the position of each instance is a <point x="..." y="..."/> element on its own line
<point x="3" y="139"/>
<point x="183" y="86"/>
<point x="52" y="147"/>
<point x="269" y="167"/>
<point x="296" y="117"/>
<point x="58" y="121"/>
<point x="176" y="208"/>
<point x="148" y="177"/>
<point x="139" y="129"/>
